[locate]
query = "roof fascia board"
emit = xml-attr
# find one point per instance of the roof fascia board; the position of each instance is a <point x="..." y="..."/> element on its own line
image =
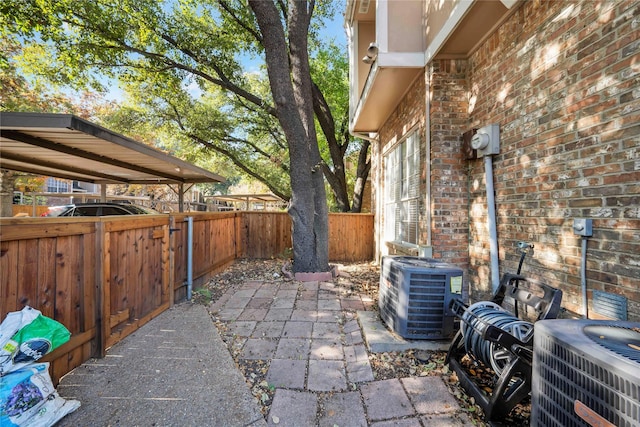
<point x="99" y="132"/>
<point x="350" y="9"/>
<point x="21" y="121"/>
<point x="365" y="94"/>
<point x="61" y="175"/>
<point x="32" y="140"/>
<point x="89" y="174"/>
<point x="401" y="60"/>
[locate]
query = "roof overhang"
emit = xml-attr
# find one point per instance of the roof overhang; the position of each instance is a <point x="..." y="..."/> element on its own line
<point x="66" y="146"/>
<point x="392" y="74"/>
<point x="383" y="90"/>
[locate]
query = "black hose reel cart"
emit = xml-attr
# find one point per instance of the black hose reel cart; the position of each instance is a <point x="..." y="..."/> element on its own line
<point x="502" y="340"/>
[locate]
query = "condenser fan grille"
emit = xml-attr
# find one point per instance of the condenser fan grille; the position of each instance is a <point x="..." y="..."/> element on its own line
<point x="625" y="342"/>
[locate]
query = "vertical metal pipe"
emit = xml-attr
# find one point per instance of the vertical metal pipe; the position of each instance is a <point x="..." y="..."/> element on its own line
<point x="189" y="221"/>
<point x="583" y="279"/>
<point x="493" y="232"/>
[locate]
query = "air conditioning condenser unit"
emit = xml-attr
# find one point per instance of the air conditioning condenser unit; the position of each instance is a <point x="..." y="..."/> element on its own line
<point x="415" y="294"/>
<point x="586" y="373"/>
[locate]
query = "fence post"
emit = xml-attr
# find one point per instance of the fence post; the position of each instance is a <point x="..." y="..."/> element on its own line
<point x="103" y="263"/>
<point x="172" y="260"/>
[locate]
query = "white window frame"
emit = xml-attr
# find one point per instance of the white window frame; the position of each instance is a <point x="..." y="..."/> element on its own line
<point x="402" y="191"/>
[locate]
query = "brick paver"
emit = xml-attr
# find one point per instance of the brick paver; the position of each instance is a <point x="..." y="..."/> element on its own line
<point x="253" y="314"/>
<point x="430" y="395"/>
<point x="326" y="349"/>
<point x="317" y="360"/>
<point x="278" y="314"/>
<point x="287" y="373"/>
<point x="241" y="328"/>
<point x="342" y="409"/>
<point x="293" y="348"/>
<point x="385" y="400"/>
<point x="326" y="375"/>
<point x="358" y="366"/>
<point x="261" y="349"/>
<point x="268" y="329"/>
<point x="293" y="409"/>
<point x="297" y="329"/>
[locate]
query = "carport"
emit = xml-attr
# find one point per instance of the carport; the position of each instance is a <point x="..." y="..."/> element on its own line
<point x="69" y="147"/>
<point x="251" y="201"/>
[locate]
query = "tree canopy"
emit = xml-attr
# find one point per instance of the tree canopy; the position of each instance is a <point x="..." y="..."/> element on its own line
<point x="183" y="63"/>
<point x="184" y="66"/>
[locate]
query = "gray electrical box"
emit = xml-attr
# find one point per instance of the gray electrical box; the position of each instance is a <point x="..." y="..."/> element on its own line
<point x="487" y="140"/>
<point x="583" y="227"/>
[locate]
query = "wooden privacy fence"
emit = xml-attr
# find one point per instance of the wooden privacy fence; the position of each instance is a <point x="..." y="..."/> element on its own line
<point x="105" y="277"/>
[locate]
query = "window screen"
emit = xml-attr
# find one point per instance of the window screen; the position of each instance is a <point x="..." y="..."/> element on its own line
<point x="402" y="191"/>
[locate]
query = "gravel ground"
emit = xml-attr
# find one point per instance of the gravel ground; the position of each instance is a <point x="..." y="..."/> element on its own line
<point x="362" y="278"/>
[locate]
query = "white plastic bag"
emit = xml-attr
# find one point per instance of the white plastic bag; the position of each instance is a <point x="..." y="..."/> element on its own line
<point x="28" y="398"/>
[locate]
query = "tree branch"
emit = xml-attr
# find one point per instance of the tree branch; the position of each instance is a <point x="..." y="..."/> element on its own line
<point x="227" y="8"/>
<point x="237" y="162"/>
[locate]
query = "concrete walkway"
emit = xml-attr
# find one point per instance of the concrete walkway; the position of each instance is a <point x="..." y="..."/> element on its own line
<point x="174" y="371"/>
<point x="177" y="371"/>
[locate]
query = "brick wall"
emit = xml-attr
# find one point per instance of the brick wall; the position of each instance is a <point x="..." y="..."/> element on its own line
<point x="562" y="79"/>
<point x="449" y="104"/>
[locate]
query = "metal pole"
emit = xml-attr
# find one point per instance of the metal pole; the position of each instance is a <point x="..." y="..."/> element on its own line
<point x="493" y="233"/>
<point x="583" y="278"/>
<point x="189" y="256"/>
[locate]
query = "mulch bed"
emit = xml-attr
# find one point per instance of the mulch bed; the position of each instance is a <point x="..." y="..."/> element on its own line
<point x="361" y="278"/>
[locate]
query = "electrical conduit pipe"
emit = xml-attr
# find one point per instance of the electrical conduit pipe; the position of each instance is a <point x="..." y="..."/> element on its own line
<point x="493" y="232"/>
<point x="583" y="279"/>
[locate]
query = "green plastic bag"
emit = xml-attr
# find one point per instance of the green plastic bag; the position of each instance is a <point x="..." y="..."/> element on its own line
<point x="32" y="335"/>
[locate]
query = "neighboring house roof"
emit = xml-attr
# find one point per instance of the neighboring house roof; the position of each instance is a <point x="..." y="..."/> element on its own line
<point x="66" y="146"/>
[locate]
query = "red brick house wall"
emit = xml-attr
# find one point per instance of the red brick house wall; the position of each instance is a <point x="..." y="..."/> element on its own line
<point x="449" y="118"/>
<point x="562" y="79"/>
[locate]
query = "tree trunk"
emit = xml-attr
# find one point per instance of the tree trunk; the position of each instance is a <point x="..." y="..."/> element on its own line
<point x="7" y="182"/>
<point x="362" y="173"/>
<point x="290" y="81"/>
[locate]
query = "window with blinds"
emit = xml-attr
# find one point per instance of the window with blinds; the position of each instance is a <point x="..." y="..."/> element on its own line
<point x="402" y="191"/>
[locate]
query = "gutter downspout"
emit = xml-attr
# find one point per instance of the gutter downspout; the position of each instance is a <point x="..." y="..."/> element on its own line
<point x="189" y="221"/>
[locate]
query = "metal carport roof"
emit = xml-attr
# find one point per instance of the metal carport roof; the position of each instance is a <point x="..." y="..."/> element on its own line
<point x="66" y="146"/>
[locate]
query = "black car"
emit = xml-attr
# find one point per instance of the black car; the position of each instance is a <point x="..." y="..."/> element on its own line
<point x="98" y="209"/>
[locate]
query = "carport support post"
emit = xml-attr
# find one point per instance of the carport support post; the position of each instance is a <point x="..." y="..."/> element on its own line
<point x="180" y="197"/>
<point x="103" y="193"/>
